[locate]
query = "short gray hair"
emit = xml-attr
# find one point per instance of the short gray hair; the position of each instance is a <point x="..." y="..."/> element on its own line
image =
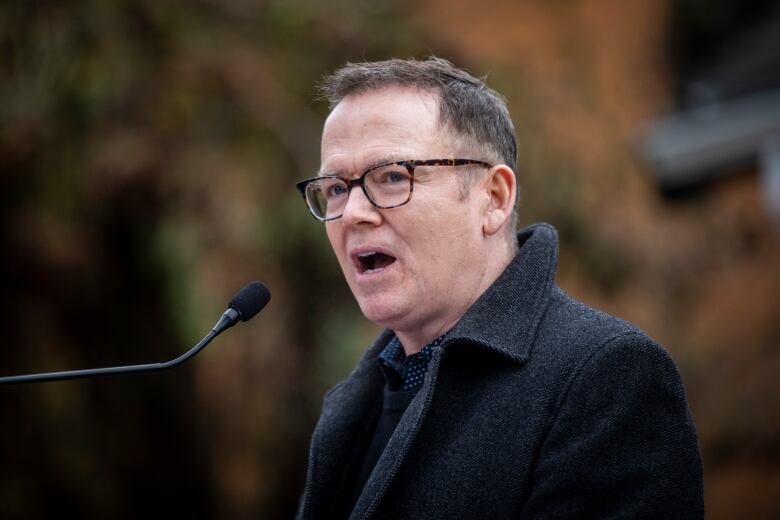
<point x="466" y="104"/>
<point x="476" y="113"/>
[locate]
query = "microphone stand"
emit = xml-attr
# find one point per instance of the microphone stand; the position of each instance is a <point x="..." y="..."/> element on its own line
<point x="228" y="319"/>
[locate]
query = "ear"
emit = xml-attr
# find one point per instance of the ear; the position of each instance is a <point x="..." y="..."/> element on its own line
<point x="501" y="188"/>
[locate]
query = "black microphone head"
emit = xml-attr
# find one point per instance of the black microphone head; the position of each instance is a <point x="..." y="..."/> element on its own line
<point x="250" y="300"/>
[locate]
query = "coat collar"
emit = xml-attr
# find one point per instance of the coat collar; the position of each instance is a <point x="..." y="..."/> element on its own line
<point x="505" y="318"/>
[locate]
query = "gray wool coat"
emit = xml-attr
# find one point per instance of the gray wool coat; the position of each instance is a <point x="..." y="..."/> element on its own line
<point x="536" y="406"/>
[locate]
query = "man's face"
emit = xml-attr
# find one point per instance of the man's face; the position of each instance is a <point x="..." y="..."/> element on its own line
<point x="429" y="268"/>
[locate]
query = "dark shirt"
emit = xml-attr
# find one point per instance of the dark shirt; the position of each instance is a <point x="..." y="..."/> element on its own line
<point x="404" y="375"/>
<point x="404" y="372"/>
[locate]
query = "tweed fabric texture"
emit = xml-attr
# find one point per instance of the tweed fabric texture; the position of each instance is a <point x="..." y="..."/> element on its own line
<point x="535" y="406"/>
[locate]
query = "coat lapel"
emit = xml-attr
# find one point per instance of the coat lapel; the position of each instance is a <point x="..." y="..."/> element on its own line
<point x="337" y="436"/>
<point x="398" y="446"/>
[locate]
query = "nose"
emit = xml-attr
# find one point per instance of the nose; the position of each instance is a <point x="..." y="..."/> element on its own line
<point x="359" y="209"/>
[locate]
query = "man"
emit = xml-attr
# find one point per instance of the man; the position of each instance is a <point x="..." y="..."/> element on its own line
<point x="491" y="393"/>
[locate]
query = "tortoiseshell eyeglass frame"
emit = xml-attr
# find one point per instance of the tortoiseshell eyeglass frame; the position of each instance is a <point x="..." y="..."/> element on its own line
<point x="359" y="181"/>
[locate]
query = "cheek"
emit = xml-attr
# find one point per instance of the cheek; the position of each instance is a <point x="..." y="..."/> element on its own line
<point x="335" y="237"/>
<point x="451" y="247"/>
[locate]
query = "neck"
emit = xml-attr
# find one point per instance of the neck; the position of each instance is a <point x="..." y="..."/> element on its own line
<point x="415" y="338"/>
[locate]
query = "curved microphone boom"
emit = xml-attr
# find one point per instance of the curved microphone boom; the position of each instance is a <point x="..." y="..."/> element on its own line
<point x="243" y="306"/>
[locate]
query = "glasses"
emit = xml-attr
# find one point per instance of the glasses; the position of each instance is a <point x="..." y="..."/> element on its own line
<point x="386" y="186"/>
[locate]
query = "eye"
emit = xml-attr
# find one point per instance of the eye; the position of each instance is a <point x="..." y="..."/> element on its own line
<point x="393" y="177"/>
<point x="335" y="190"/>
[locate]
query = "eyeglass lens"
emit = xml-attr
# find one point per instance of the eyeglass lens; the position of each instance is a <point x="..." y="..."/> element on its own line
<point x="385" y="187"/>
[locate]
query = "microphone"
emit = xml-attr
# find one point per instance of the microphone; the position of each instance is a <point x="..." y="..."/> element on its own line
<point x="243" y="306"/>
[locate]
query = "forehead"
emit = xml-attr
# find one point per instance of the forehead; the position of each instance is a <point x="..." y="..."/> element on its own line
<point x="391" y="123"/>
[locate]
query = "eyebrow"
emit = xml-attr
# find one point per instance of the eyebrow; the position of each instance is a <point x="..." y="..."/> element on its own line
<point x="387" y="159"/>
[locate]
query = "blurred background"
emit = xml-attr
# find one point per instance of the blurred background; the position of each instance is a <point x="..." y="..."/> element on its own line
<point x="148" y="154"/>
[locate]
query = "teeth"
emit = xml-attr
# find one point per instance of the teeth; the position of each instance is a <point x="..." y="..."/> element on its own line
<point x="365" y="255"/>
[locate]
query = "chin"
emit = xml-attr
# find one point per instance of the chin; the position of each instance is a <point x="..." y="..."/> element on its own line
<point x="382" y="313"/>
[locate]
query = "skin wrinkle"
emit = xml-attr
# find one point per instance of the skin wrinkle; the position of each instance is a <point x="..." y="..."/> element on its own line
<point x="445" y="256"/>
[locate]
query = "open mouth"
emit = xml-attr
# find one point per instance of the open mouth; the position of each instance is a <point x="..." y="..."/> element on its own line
<point x="372" y="261"/>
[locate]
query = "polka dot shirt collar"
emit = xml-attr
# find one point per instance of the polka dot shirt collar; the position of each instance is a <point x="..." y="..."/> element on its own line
<point x="410" y="370"/>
